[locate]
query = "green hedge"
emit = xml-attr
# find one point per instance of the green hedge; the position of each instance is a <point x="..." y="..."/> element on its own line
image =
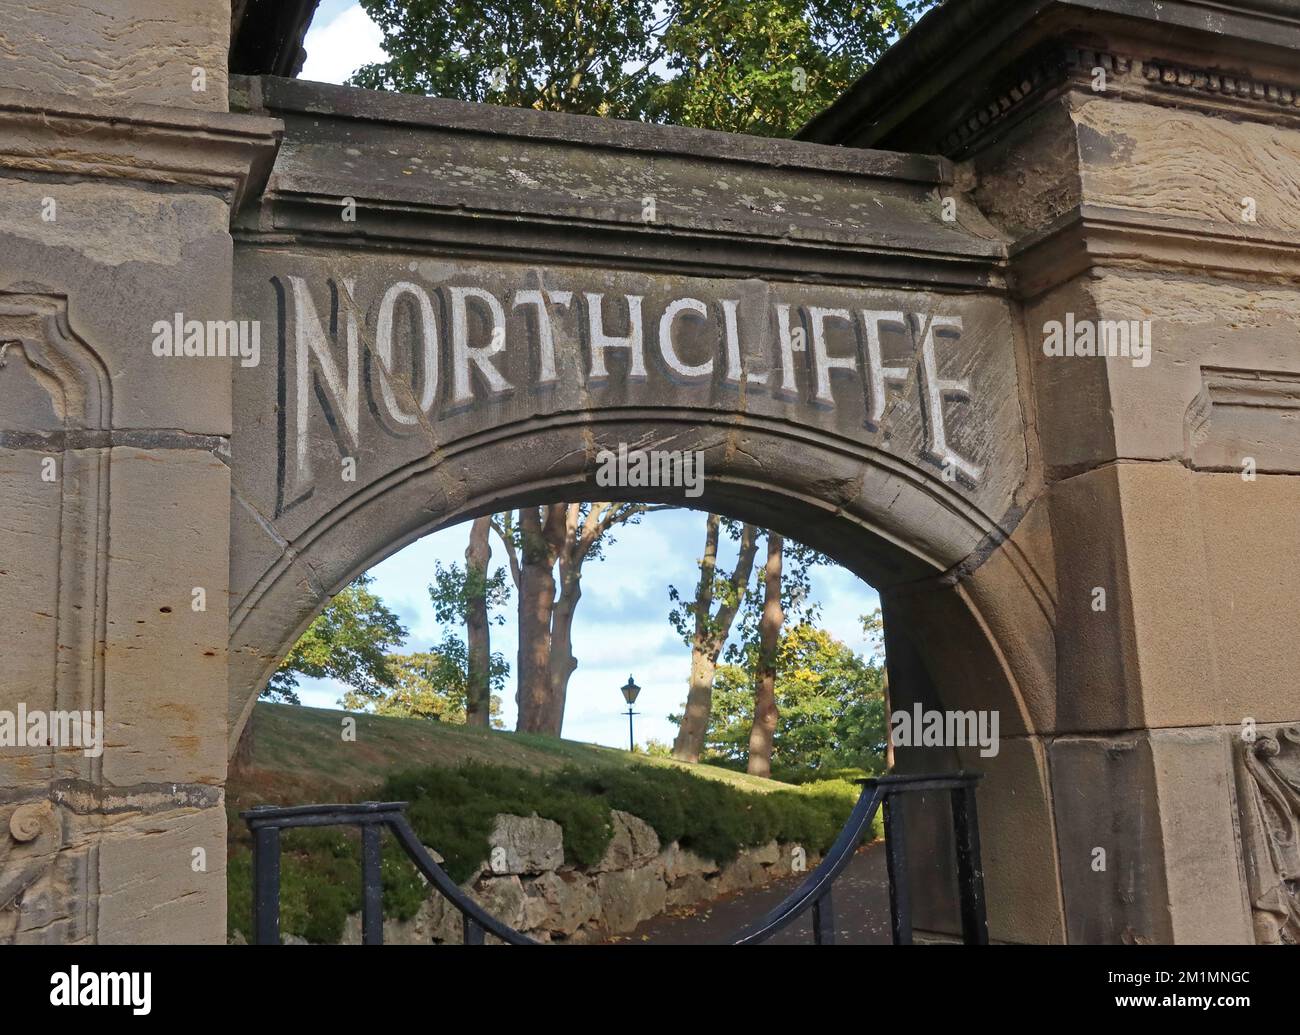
<point x="320" y="883"/>
<point x="452" y="811"/>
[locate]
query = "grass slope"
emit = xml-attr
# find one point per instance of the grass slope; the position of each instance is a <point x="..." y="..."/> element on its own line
<point x="456" y="780"/>
<point x="299" y="755"/>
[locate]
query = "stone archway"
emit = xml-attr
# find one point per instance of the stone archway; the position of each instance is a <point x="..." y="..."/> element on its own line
<point x="870" y="407"/>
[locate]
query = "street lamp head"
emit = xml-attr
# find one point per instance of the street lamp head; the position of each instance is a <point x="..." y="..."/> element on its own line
<point x="630" y="691"/>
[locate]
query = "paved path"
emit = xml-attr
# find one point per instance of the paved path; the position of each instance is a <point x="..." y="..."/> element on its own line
<point x="861" y="910"/>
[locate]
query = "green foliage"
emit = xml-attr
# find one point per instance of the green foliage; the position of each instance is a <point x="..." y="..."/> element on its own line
<point x="557" y="55"/>
<point x="431" y="685"/>
<point x="348" y="641"/>
<point x="831" y="701"/>
<point x="651" y="794"/>
<point x="768" y="66"/>
<point x="873" y="628"/>
<point x="453" y="588"/>
<point x="452" y="811"/>
<point x="320" y="883"/>
<point x="434" y="684"/>
<point x="752" y="66"/>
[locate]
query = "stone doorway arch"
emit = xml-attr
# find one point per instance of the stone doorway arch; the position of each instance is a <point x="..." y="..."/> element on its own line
<point x="867" y="402"/>
<point x="964" y="667"/>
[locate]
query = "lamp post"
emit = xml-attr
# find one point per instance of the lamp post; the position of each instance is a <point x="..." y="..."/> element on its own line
<point x="629" y="694"/>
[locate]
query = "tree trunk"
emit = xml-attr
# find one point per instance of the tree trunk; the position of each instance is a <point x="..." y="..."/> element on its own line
<point x="710" y="635"/>
<point x="563" y="662"/>
<point x="763" y="731"/>
<point x="536" y="601"/>
<point x="546" y="659"/>
<point x="689" y="744"/>
<point x="478" y="636"/>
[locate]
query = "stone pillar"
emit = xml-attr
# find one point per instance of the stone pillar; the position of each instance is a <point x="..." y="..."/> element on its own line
<point x="120" y="168"/>
<point x="1143" y="169"/>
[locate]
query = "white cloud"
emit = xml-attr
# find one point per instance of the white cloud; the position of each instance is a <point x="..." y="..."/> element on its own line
<point x="338" y="47"/>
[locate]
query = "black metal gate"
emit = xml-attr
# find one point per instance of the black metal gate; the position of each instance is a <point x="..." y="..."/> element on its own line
<point x="814" y="894"/>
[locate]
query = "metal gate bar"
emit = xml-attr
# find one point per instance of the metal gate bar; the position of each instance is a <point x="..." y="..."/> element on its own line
<point x="813" y="896"/>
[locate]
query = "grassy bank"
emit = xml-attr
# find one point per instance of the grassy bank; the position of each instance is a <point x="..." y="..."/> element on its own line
<point x="457" y="779"/>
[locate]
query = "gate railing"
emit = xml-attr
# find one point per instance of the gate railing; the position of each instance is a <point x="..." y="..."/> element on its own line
<point x="887" y="791"/>
<point x="814" y="894"/>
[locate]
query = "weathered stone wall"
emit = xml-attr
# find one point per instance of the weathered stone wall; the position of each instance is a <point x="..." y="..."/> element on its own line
<point x="531" y="889"/>
<point x="117" y="183"/>
<point x="1138" y="177"/>
<point x="119" y="51"/>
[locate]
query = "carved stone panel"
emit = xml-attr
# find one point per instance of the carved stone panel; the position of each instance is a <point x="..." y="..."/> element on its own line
<point x="1268" y="790"/>
<point x="54" y="421"/>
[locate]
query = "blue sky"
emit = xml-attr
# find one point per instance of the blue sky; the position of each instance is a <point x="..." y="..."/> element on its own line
<point x="622" y="620"/>
<point x="341" y="39"/>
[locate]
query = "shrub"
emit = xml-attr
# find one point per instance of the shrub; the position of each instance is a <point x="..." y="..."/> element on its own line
<point x="320" y="883"/>
<point x="452" y="811"/>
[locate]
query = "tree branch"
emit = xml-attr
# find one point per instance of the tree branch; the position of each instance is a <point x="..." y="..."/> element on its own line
<point x="739" y="579"/>
<point x="508" y="541"/>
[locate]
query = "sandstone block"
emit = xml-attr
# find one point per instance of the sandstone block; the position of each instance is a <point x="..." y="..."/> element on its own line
<point x="525" y="844"/>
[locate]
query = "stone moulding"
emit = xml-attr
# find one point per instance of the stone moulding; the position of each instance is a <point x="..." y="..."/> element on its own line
<point x="34" y="329"/>
<point x="1165" y="76"/>
<point x="1240" y="413"/>
<point x="450" y="178"/>
<point x="1090" y="236"/>
<point x="1268" y="793"/>
<point x="43" y="354"/>
<point x="61" y="135"/>
<point x="1061" y="68"/>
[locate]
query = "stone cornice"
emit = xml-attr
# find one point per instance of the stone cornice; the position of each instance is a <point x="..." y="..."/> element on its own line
<point x="968" y="68"/>
<point x="468" y="119"/>
<point x="1091" y="236"/>
<point x="65" y="136"/>
<point x="293" y="221"/>
<point x="1051" y="72"/>
<point x="453" y="179"/>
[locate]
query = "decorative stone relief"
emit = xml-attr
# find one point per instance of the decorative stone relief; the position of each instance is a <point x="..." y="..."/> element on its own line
<point x="32" y="837"/>
<point x="1269" y="799"/>
<point x="55" y="421"/>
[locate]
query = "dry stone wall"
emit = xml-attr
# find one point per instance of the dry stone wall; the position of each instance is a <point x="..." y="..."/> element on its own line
<point x="533" y="890"/>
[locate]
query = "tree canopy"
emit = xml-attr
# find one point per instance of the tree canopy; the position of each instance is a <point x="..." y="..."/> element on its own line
<point x="747" y="66"/>
<point x="349" y="641"/>
<point x="431" y="685"/>
<point x="831" y="701"/>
